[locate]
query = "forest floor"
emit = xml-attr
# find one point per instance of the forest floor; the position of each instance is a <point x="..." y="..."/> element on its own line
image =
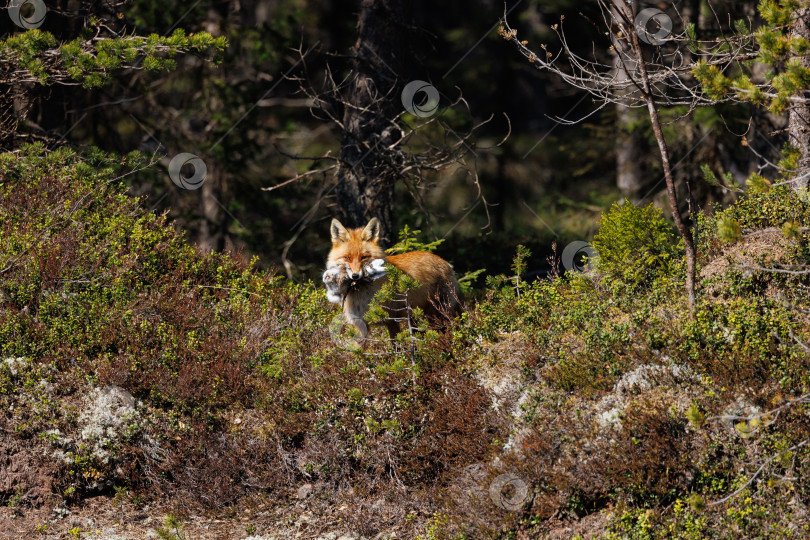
<point x="152" y="390"/>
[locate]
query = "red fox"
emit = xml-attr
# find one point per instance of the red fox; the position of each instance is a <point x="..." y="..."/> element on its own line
<point x="355" y="272"/>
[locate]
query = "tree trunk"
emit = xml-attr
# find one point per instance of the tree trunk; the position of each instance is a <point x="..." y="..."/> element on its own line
<point x="366" y="179"/>
<point x="629" y="146"/>
<point x="212" y="234"/>
<point x="686" y="234"/>
<point x="213" y="219"/>
<point x="799" y="116"/>
<point x="629" y="143"/>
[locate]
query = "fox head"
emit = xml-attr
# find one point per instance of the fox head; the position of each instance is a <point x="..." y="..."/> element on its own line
<point x="355" y="247"/>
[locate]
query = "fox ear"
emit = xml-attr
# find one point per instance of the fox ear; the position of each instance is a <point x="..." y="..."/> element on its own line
<point x="372" y="231"/>
<point x="339" y="232"/>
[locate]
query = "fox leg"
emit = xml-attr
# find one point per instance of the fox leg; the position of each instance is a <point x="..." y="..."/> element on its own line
<point x="361" y="326"/>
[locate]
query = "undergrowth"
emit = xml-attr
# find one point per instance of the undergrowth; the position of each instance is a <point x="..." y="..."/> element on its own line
<point x="627" y="410"/>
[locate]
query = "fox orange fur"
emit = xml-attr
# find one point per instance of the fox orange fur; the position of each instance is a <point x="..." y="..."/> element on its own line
<point x="357" y="252"/>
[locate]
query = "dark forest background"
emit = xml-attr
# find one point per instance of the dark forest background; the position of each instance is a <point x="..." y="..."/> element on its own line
<point x="252" y="124"/>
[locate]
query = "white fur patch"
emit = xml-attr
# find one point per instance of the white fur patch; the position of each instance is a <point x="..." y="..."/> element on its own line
<point x="337" y="282"/>
<point x="375" y="269"/>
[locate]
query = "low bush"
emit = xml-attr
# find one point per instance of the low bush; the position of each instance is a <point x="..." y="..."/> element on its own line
<point x="636" y="246"/>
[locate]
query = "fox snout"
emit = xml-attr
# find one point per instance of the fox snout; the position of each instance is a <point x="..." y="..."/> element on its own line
<point x="352" y="273"/>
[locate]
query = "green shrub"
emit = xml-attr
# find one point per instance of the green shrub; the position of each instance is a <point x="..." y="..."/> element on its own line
<point x="771" y="208"/>
<point x="636" y="246"/>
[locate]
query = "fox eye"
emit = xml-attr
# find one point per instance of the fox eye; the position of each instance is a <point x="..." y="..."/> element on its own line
<point x="347" y="258"/>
